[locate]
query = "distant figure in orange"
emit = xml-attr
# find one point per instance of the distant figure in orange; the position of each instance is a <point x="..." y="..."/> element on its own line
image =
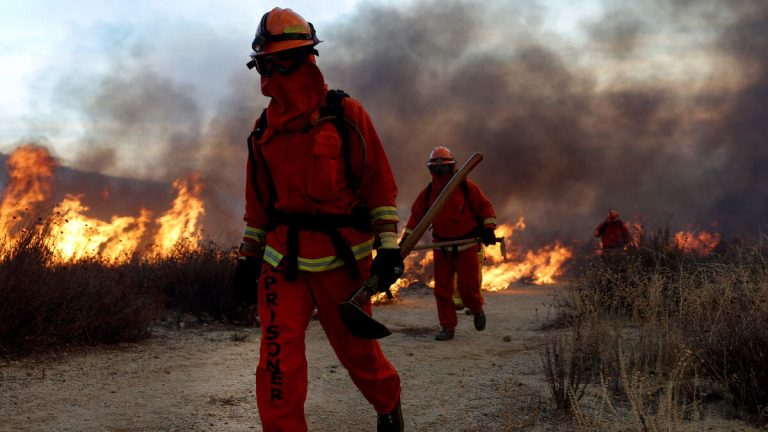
<point x="614" y="237"/>
<point x="613" y="233"/>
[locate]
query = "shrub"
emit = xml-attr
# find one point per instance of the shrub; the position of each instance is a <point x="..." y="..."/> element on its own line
<point x="667" y="320"/>
<point x="47" y="303"/>
<point x="567" y="366"/>
<point x="80" y="302"/>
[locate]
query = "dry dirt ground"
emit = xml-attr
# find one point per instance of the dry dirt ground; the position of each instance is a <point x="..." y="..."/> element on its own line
<point x="201" y="377"/>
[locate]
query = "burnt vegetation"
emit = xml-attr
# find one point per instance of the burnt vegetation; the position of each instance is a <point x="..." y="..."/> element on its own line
<point x="658" y="335"/>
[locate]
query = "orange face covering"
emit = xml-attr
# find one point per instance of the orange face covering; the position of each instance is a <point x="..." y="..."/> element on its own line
<point x="294" y="97"/>
<point x="440" y="180"/>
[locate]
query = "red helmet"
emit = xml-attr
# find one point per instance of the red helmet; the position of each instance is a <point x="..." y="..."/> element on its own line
<point x="441" y="156"/>
<point x="282" y="29"/>
<point x="613" y="215"/>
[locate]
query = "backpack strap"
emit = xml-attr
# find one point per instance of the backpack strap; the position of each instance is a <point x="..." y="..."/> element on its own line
<point x="465" y="188"/>
<point x="253" y="138"/>
<point x="334" y="107"/>
<point x="427" y="193"/>
<point x="468" y="198"/>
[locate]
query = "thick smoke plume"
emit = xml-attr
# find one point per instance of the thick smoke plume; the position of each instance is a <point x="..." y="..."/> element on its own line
<point x="572" y="129"/>
<point x="657" y="109"/>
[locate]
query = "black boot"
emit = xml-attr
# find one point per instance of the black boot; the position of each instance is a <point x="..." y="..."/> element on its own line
<point x="444" y="334"/>
<point x="392" y="422"/>
<point x="480" y="321"/>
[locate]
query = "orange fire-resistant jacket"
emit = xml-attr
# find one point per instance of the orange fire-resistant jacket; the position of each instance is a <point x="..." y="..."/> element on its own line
<point x="613" y="233"/>
<point x="307" y="169"/>
<point x="467" y="209"/>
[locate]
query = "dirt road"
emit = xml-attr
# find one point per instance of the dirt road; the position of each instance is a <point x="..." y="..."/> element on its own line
<point x="201" y="377"/>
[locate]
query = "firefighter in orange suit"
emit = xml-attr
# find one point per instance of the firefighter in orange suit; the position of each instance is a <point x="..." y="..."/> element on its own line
<point x="614" y="238"/>
<point x="613" y="233"/>
<point x="468" y="214"/>
<point x="319" y="193"/>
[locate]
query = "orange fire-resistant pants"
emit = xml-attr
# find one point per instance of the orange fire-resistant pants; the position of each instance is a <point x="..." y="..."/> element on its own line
<point x="456" y="296"/>
<point x="285" y="308"/>
<point x="465" y="267"/>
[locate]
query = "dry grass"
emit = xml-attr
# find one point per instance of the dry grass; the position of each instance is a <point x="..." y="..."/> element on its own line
<point x="47" y="304"/>
<point x="566" y="360"/>
<point x="659" y="325"/>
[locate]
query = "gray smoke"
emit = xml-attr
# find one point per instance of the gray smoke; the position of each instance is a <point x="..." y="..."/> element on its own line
<point x="144" y="125"/>
<point x="740" y="136"/>
<point x="562" y="146"/>
<point x="567" y="128"/>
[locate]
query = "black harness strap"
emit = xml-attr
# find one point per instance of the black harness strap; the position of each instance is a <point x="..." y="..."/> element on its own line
<point x="334" y="106"/>
<point x="326" y="224"/>
<point x="292" y="253"/>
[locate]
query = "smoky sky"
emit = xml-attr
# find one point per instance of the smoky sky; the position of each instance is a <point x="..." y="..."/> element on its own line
<point x="561" y="146"/>
<point x="568" y="127"/>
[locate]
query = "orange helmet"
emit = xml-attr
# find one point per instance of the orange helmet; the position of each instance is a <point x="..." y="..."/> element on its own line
<point x="613" y="215"/>
<point x="282" y="29"/>
<point x="441" y="161"/>
<point x="441" y="156"/>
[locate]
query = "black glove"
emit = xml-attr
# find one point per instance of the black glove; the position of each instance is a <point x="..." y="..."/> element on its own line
<point x="388" y="266"/>
<point x="245" y="286"/>
<point x="488" y="236"/>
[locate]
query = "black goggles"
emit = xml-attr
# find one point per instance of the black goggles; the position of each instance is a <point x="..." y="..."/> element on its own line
<point x="282" y="62"/>
<point x="265" y="64"/>
<point x="442" y="168"/>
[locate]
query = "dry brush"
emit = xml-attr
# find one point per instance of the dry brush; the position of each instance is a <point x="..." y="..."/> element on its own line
<point x="659" y="332"/>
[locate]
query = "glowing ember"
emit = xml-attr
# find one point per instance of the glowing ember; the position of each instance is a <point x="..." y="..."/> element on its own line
<point x="700" y="243"/>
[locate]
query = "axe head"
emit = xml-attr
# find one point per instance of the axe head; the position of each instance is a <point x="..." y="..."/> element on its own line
<point x="354" y="318"/>
<point x="360" y="324"/>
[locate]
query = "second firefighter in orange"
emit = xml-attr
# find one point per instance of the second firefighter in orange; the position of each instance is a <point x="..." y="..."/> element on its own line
<point x="468" y="214"/>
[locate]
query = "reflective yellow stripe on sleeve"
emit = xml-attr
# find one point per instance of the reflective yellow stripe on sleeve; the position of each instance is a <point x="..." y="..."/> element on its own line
<point x="385" y="213"/>
<point x="254" y="233"/>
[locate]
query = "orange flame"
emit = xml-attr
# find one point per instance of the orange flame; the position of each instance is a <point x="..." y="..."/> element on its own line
<point x="418" y="268"/>
<point x="30" y="169"/>
<point x="700" y="243"/>
<point x="75" y="236"/>
<point x="182" y="223"/>
<point x="538" y="267"/>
